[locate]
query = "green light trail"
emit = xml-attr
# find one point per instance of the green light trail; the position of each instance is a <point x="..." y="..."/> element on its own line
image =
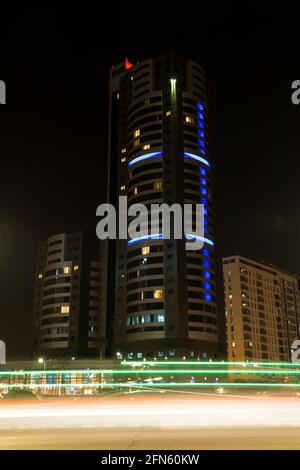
<point x="154" y="372"/>
<point x="160" y="384"/>
<point x="58" y="372"/>
<point x="211" y="364"/>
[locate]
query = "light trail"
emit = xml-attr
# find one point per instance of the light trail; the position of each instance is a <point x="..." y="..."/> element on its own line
<point x="206" y="394"/>
<point x="156" y="371"/>
<point x="143" y="374"/>
<point x="160" y="384"/>
<point x="151" y="421"/>
<point x="211" y="363"/>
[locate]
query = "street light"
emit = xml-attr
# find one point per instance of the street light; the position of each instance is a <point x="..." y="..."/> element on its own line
<point x="41" y="360"/>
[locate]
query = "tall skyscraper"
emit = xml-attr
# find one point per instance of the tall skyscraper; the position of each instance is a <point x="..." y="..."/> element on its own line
<point x="67" y="320"/>
<point x="160" y="298"/>
<point x="262" y="310"/>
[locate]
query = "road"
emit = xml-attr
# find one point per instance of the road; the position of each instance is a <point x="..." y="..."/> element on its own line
<point x="152" y="421"/>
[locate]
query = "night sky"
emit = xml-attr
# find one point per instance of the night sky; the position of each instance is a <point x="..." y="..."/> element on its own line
<point x="53" y="130"/>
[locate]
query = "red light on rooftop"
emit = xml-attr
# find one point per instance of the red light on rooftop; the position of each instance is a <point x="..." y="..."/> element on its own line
<point x="128" y="64"/>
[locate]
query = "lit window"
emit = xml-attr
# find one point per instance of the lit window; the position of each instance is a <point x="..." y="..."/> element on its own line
<point x="158" y="294"/>
<point x="142" y="295"/>
<point x="136" y="142"/>
<point x="135" y="191"/>
<point x="145" y="250"/>
<point x="76" y="267"/>
<point x="123" y="150"/>
<point x="160" y="318"/>
<point x="137" y="133"/>
<point x="123" y="187"/>
<point x="131" y="78"/>
<point x="158" y="185"/>
<point x="123" y="160"/>
<point x="67" y="270"/>
<point x="65" y="309"/>
<point x="168" y="113"/>
<point x="146" y="147"/>
<point x="40" y="276"/>
<point x="189" y="119"/>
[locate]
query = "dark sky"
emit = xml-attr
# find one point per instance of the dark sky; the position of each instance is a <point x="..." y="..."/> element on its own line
<point x="55" y="62"/>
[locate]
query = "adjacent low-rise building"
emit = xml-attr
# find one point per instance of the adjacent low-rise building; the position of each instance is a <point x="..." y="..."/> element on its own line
<point x="262" y="310"/>
<point x="67" y="320"/>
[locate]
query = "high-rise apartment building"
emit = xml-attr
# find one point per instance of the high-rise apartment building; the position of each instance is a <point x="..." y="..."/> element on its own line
<point x="67" y="320"/>
<point x="160" y="298"/>
<point x="262" y="310"/>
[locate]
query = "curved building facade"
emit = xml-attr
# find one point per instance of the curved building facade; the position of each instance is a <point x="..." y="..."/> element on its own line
<point x="162" y="298"/>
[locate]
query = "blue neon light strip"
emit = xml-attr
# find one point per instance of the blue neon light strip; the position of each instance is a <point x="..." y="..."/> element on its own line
<point x="196" y="157"/>
<point x="155" y="236"/>
<point x="202" y="239"/>
<point x="158" y="236"/>
<point x="144" y="157"/>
